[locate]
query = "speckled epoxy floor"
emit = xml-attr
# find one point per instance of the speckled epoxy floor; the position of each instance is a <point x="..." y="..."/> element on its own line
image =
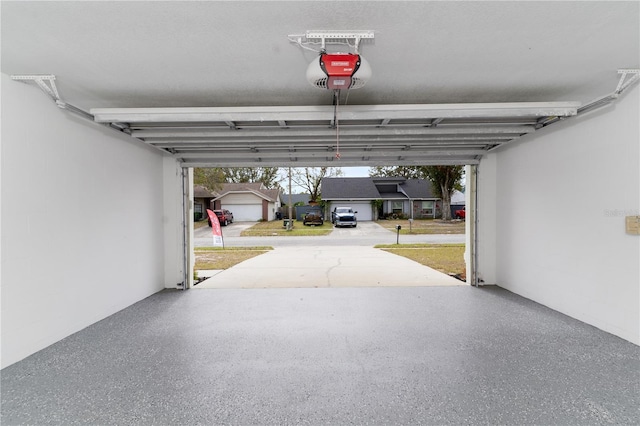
<point x="433" y="355"/>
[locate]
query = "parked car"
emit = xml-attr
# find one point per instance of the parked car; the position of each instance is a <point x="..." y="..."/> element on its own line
<point x="313" y="217"/>
<point x="461" y="214"/>
<point x="225" y="217"/>
<point x="344" y="216"/>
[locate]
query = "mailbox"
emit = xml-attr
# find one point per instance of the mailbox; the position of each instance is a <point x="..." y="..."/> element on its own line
<point x="398" y="227"/>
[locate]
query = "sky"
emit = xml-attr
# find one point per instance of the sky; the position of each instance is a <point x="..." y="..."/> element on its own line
<point x="348" y="172"/>
<point x="355" y="171"/>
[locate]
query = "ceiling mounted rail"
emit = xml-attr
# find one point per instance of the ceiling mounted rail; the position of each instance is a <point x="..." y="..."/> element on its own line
<point x="47" y="83"/>
<point x="325" y="112"/>
<point x="623" y="84"/>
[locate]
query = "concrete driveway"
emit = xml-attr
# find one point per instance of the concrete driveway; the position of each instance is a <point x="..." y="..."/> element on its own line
<point x="344" y="258"/>
<point x="326" y="266"/>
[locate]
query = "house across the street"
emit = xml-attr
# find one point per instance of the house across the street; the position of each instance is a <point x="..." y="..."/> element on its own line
<point x="202" y="200"/>
<point x="249" y="202"/>
<point x="400" y="197"/>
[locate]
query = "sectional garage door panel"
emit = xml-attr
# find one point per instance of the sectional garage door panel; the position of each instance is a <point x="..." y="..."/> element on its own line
<point x="364" y="211"/>
<point x="244" y="212"/>
<point x="305" y="136"/>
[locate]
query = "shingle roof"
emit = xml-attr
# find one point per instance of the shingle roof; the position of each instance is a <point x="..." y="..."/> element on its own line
<point x="365" y="189"/>
<point x="349" y="188"/>
<point x="271" y="193"/>
<point x="296" y="198"/>
<point x="254" y="187"/>
<point x="251" y="186"/>
<point x="200" y="191"/>
<point x="418" y="189"/>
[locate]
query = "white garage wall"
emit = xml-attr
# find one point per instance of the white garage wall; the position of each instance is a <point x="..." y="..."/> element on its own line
<point x="486" y="220"/>
<point x="560" y="204"/>
<point x="82" y="222"/>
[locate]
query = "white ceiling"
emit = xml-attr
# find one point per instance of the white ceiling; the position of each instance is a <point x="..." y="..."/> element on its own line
<point x="236" y="54"/>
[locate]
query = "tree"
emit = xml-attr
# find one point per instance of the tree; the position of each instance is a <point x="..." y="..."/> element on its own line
<point x="310" y="178"/>
<point x="267" y="175"/>
<point x="211" y="178"/>
<point x="407" y="172"/>
<point x="445" y="180"/>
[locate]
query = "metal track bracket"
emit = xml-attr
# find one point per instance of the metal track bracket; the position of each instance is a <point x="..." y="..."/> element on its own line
<point x="324" y="37"/>
<point x="41" y="80"/>
<point x="622" y="84"/>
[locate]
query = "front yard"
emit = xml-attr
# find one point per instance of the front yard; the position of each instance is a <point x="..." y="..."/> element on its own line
<point x="446" y="258"/>
<point x="276" y="229"/>
<point x="424" y="226"/>
<point x="208" y="258"/>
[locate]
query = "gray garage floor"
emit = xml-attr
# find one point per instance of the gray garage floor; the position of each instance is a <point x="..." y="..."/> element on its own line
<point x="430" y="355"/>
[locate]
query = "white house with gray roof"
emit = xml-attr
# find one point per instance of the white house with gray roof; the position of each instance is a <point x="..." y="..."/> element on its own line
<point x="412" y="198"/>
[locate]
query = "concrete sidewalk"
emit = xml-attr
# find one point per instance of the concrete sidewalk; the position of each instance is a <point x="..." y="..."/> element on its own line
<point x="328" y="266"/>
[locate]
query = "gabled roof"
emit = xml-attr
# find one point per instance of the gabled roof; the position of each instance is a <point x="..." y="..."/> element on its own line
<point x="256" y="188"/>
<point x="273" y="194"/>
<point x="385" y="179"/>
<point x="200" y="191"/>
<point x="365" y="189"/>
<point x="247" y="186"/>
<point x="296" y="198"/>
<point x="418" y="189"/>
<point x="458" y="197"/>
<point x="349" y="188"/>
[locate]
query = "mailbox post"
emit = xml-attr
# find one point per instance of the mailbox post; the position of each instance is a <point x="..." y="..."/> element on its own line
<point x="398" y="228"/>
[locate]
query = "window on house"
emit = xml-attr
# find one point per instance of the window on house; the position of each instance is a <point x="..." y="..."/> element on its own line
<point x="396" y="207"/>
<point x="427" y="208"/>
<point x="197" y="212"/>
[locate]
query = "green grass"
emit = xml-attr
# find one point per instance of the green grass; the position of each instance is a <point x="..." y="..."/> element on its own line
<point x="276" y="229"/>
<point x="446" y="258"/>
<point x="224" y="258"/>
<point x="424" y="226"/>
<point x="200" y="224"/>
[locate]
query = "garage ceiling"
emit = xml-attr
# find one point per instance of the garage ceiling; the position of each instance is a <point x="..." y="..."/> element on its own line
<point x="219" y="83"/>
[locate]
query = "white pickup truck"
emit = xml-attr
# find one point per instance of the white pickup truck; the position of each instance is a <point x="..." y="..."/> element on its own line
<point x="344" y="216"/>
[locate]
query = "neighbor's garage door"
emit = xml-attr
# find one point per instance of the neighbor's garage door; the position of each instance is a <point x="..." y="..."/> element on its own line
<point x="244" y="212"/>
<point x="364" y="210"/>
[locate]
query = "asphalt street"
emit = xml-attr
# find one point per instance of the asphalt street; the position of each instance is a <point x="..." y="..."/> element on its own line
<point x="365" y="234"/>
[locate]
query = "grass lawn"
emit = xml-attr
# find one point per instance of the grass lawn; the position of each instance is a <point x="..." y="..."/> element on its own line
<point x="275" y="228"/>
<point x="200" y="224"/>
<point x="224" y="258"/>
<point x="447" y="258"/>
<point x="424" y="226"/>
